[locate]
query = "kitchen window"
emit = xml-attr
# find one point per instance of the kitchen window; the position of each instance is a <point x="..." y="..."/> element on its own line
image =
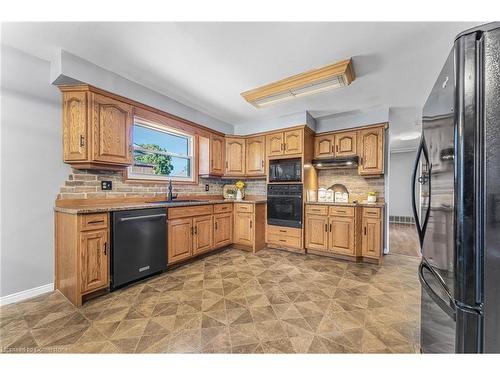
<point x="161" y="153"/>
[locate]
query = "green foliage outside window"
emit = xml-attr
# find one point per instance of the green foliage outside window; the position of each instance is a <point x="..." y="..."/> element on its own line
<point x="162" y="163"/>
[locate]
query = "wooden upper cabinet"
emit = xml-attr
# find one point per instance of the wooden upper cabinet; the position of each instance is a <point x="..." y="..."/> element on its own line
<point x="293" y="142"/>
<point x="255" y="156"/>
<point x="316" y="229"/>
<point x="223" y="229"/>
<point x="274" y="144"/>
<point x="342" y="235"/>
<point x="371" y="242"/>
<point x="112" y="123"/>
<point x="371" y="151"/>
<point x="94" y="260"/>
<point x="75" y="135"/>
<point x="202" y="234"/>
<point x="345" y="143"/>
<point x="235" y="156"/>
<point x="180" y="239"/>
<point x="324" y="145"/>
<point x="216" y="154"/>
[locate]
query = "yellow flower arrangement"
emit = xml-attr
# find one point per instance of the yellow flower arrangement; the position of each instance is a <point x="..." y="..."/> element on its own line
<point x="239" y="185"/>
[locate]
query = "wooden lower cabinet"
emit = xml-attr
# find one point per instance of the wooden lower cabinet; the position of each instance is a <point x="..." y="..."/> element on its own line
<point x="348" y="232"/>
<point x="81" y="254"/>
<point x="317" y="232"/>
<point x="223" y="229"/>
<point x="284" y="238"/>
<point x="243" y="228"/>
<point x="195" y="230"/>
<point x="180" y="239"/>
<point x="202" y="234"/>
<point x="249" y="226"/>
<point x="342" y="235"/>
<point x="94" y="260"/>
<point x="371" y="243"/>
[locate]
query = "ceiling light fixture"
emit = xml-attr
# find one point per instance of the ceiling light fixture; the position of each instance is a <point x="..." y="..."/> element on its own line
<point x="329" y="77"/>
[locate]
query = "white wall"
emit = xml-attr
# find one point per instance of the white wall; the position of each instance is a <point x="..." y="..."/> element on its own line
<point x="401" y="170"/>
<point x="346" y="120"/>
<point x="76" y="68"/>
<point x="32" y="171"/>
<point x="274" y="123"/>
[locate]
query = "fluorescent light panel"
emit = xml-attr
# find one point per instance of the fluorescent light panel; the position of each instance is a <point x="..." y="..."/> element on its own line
<point x="327" y="78"/>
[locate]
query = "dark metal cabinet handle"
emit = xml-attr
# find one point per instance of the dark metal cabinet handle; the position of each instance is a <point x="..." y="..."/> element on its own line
<point x="82" y="140"/>
<point x="282" y="231"/>
<point x="96" y="221"/>
<point x="215" y="225"/>
<point x="365" y="231"/>
<point x="250" y="224"/>
<point x="262" y="163"/>
<point x="330" y="227"/>
<point x="326" y="227"/>
<point x="196" y="230"/>
<point x="192" y="230"/>
<point x="105" y="248"/>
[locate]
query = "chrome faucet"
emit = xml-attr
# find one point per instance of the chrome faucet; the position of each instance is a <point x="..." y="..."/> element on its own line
<point x="170" y="196"/>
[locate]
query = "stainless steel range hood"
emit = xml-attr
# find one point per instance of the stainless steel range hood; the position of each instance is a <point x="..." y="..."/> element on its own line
<point x="336" y="163"/>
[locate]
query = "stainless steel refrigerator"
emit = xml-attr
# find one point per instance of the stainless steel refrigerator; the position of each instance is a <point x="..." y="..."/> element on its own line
<point x="456" y="199"/>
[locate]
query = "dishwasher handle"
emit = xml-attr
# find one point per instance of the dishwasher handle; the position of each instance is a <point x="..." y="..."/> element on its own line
<point x="142" y="217"/>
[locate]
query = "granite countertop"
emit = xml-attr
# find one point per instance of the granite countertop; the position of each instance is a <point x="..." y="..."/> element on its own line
<point x="377" y="204"/>
<point x="83" y="209"/>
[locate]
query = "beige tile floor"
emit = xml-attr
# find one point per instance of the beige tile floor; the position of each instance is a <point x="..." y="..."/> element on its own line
<point x="234" y="302"/>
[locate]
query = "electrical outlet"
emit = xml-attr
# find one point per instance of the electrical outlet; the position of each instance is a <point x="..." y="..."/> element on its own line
<point x="106" y="185"/>
<point x="207" y="187"/>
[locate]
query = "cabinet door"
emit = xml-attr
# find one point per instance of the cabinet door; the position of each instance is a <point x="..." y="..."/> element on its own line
<point x="371" y="243"/>
<point x="342" y="235"/>
<point x="112" y="130"/>
<point x="323" y="146"/>
<point x="274" y="144"/>
<point x="223" y="229"/>
<point x="94" y="260"/>
<point x="316" y="232"/>
<point x="180" y="239"/>
<point x="235" y="156"/>
<point x="371" y="151"/>
<point x="75" y="137"/>
<point x="203" y="234"/>
<point x="256" y="153"/>
<point x="345" y="143"/>
<point x="293" y="142"/>
<point x="243" y="228"/>
<point x="216" y="155"/>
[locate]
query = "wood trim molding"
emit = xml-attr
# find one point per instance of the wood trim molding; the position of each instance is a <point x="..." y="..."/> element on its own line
<point x="385" y="124"/>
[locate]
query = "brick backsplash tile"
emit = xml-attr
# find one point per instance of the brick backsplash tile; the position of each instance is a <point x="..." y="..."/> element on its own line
<point x="357" y="186"/>
<point x="83" y="184"/>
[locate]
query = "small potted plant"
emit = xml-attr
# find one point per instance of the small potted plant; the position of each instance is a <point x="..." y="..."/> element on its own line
<point x="240" y="185"/>
<point x="231" y="194"/>
<point x="372" y="197"/>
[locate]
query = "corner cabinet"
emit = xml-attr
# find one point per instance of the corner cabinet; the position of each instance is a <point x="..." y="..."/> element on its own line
<point x="371" y="151"/>
<point x="97" y="130"/>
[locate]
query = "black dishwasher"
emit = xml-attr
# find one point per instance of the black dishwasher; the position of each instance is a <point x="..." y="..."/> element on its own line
<point x="139" y="246"/>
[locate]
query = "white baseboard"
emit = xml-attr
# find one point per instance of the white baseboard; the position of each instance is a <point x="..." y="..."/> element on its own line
<point x="25" y="294"/>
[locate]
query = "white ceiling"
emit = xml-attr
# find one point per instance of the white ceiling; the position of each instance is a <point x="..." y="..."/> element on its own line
<point x="208" y="65"/>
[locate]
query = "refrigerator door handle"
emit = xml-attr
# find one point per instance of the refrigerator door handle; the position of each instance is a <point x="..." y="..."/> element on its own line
<point x="423" y="179"/>
<point x="449" y="306"/>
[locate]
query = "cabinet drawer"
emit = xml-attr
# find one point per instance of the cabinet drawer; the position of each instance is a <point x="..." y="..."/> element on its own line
<point x="188" y="211"/>
<point x="244" y="207"/>
<point x="224" y="207"/>
<point x="342" y="211"/>
<point x="284" y="231"/>
<point x="317" y="210"/>
<point x="371" y="212"/>
<point x="94" y="221"/>
<point x="284" y="240"/>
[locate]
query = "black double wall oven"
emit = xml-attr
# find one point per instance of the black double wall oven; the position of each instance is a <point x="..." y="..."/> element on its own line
<point x="285" y="193"/>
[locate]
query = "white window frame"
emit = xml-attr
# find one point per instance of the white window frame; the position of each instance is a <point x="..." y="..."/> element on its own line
<point x="168" y="130"/>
